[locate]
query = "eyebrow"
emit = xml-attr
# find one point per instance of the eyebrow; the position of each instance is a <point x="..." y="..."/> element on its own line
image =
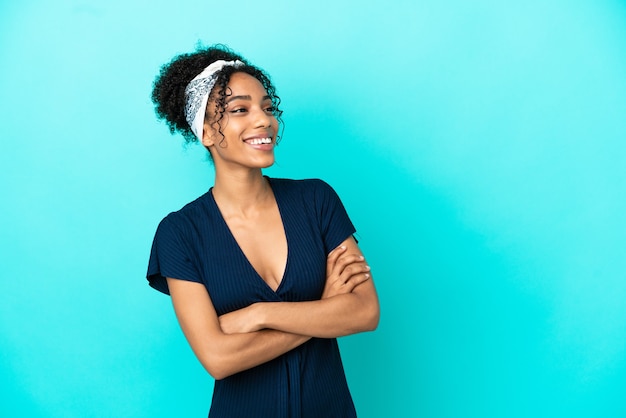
<point x="245" y="97"/>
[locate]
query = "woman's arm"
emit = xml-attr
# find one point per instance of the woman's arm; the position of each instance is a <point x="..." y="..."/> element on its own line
<point x="349" y="304"/>
<point x="223" y="355"/>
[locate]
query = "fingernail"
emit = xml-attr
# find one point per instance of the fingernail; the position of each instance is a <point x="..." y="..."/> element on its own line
<point x="367" y="276"/>
<point x="361" y="257"/>
<point x="368" y="268"/>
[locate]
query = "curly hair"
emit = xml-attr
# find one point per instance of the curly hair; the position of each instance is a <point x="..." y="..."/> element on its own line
<point x="168" y="91"/>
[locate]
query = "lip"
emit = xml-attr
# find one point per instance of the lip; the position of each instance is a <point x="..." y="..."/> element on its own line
<point x="261" y="135"/>
<point x="262" y="147"/>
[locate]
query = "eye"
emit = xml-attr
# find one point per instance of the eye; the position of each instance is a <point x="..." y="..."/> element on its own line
<point x="272" y="109"/>
<point x="238" y="110"/>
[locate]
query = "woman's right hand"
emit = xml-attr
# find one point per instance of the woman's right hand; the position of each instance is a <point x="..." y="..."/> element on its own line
<point x="344" y="272"/>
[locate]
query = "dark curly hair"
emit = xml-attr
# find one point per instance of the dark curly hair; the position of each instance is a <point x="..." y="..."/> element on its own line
<point x="168" y="92"/>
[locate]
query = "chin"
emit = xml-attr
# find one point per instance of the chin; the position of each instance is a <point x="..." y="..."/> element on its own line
<point x="265" y="163"/>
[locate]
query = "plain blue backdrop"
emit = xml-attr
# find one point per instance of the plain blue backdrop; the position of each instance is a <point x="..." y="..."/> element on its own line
<point x="479" y="148"/>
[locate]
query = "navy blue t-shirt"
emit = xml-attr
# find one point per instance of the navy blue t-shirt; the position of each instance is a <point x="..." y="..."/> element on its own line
<point x="196" y="244"/>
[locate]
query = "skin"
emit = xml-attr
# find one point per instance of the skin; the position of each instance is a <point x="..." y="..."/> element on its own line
<point x="263" y="331"/>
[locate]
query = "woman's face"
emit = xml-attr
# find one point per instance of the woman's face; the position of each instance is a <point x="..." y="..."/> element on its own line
<point x="249" y="127"/>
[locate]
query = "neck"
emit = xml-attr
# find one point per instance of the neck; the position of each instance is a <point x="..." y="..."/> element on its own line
<point x="241" y="192"/>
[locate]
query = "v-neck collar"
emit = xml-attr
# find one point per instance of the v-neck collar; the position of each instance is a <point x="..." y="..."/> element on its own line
<point x="277" y="197"/>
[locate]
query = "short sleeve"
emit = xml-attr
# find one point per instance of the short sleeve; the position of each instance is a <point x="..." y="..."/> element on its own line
<point x="334" y="221"/>
<point x="170" y="256"/>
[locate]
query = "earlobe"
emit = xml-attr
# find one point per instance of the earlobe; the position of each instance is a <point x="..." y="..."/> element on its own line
<point x="208" y="136"/>
<point x="207" y="141"/>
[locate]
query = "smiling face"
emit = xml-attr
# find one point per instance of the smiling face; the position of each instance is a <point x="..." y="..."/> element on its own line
<point x="246" y="134"/>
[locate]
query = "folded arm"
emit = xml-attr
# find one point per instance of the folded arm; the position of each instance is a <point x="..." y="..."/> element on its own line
<point x="222" y="354"/>
<point x="349" y="304"/>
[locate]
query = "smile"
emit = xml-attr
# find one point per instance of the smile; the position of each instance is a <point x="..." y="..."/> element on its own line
<point x="258" y="141"/>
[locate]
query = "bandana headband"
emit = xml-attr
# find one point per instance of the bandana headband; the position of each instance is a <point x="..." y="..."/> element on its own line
<point x="197" y="94"/>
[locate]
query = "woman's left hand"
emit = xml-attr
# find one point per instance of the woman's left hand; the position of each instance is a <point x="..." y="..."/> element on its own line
<point x="240" y="321"/>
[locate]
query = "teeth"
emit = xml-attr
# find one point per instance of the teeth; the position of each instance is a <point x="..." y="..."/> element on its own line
<point x="259" y="141"/>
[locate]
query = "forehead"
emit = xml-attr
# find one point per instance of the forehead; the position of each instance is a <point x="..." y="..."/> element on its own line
<point x="244" y="84"/>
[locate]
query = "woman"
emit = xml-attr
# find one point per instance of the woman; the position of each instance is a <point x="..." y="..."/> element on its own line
<point x="264" y="273"/>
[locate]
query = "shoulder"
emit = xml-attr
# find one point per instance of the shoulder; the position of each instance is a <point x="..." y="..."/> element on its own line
<point x="313" y="196"/>
<point x="188" y="214"/>
<point x="304" y="186"/>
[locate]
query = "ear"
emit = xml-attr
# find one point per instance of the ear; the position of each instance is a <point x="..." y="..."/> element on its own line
<point x="208" y="135"/>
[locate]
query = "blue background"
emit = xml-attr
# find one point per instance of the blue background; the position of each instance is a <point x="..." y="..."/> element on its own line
<point x="478" y="146"/>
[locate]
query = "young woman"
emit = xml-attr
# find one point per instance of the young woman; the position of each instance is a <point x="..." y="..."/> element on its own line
<point x="264" y="273"/>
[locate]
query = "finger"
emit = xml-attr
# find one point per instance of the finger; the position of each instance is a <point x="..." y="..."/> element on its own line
<point x="349" y="262"/>
<point x="353" y="270"/>
<point x="351" y="254"/>
<point x="346" y="259"/>
<point x="337" y="250"/>
<point x="345" y="268"/>
<point x="356" y="280"/>
<point x="334" y="255"/>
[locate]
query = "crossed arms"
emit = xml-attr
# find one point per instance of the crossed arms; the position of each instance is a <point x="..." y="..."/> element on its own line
<point x="256" y="334"/>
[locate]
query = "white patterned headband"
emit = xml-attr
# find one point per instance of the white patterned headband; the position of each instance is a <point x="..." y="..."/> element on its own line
<point x="197" y="94"/>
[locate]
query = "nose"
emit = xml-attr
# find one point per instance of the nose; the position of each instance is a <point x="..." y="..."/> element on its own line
<point x="262" y="119"/>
